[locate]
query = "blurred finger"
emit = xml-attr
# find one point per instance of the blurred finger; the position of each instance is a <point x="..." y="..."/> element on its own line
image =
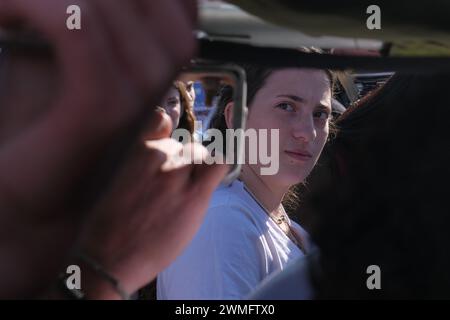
<point x="159" y="126"/>
<point x="133" y="44"/>
<point x="177" y="40"/>
<point x="191" y="9"/>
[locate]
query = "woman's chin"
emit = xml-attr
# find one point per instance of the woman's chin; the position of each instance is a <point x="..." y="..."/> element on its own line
<point x="288" y="179"/>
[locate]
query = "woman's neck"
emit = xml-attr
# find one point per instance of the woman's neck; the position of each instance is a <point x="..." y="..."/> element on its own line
<point x="269" y="196"/>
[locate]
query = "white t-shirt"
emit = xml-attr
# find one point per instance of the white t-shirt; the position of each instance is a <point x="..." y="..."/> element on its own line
<point x="237" y="246"/>
<point x="293" y="283"/>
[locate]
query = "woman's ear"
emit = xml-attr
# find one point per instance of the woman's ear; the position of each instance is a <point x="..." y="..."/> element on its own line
<point x="228" y="113"/>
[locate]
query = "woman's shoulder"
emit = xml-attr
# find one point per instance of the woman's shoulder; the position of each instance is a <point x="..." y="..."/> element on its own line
<point x="229" y="206"/>
<point x="230" y="196"/>
<point x="291" y="283"/>
<point x="233" y="200"/>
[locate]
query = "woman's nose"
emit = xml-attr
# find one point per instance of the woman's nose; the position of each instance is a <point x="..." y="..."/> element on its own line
<point x="303" y="128"/>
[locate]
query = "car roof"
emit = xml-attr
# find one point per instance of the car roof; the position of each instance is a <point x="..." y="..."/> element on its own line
<point x="410" y="31"/>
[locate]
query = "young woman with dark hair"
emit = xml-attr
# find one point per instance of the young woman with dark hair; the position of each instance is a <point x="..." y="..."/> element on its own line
<point x="384" y="206"/>
<point x="247" y="235"/>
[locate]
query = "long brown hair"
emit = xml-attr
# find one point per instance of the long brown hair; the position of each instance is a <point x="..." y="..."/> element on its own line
<point x="187" y="118"/>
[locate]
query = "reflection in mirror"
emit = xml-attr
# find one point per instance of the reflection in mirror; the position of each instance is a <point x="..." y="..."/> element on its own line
<point x="191" y="103"/>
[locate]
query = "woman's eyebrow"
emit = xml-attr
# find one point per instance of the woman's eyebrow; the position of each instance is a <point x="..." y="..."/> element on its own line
<point x="300" y="99"/>
<point x="292" y="97"/>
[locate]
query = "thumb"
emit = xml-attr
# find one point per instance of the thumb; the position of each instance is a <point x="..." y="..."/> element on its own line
<point x="159" y="126"/>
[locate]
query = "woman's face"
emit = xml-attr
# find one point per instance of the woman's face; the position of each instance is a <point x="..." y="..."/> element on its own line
<point x="297" y="102"/>
<point x="172" y="104"/>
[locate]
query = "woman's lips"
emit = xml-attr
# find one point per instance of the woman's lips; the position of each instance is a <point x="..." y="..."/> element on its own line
<point x="299" y="155"/>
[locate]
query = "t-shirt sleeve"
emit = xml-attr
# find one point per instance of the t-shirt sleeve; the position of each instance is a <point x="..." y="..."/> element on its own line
<point x="225" y="260"/>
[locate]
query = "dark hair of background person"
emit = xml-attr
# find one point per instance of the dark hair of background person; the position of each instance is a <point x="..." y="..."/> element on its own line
<point x="380" y="195"/>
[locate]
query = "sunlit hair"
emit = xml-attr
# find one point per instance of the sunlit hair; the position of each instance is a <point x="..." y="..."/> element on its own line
<point x="187" y="117"/>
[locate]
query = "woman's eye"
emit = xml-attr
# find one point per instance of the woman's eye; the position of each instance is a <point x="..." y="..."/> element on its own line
<point x="285" y="106"/>
<point x="324" y="115"/>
